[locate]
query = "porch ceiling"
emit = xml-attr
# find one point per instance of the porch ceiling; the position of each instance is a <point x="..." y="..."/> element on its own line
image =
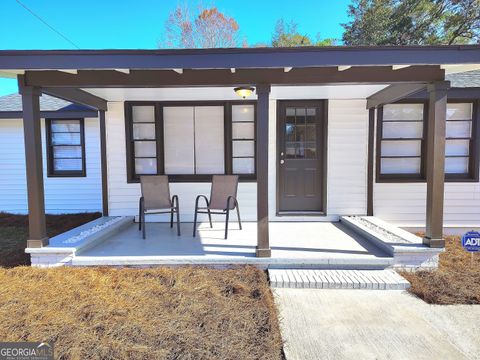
<point x="227" y="93"/>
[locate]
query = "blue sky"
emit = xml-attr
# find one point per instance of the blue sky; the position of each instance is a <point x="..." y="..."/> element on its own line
<point x="127" y="24"/>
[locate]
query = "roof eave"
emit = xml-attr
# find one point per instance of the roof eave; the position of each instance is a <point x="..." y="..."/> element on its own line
<point x="239" y="57"/>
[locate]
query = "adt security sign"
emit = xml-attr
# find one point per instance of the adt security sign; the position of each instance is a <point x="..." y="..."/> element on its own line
<point x="471" y="241"/>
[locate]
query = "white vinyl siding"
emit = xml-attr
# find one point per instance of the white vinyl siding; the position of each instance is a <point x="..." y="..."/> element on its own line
<point x="403" y="204"/>
<point x="62" y="195"/>
<point x="347" y="157"/>
<point x="400" y="203"/>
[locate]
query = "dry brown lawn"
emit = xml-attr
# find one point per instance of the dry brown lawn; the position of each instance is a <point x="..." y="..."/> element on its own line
<point x="161" y="313"/>
<point x="457" y="280"/>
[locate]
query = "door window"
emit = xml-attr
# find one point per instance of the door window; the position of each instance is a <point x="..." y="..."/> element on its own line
<point x="300" y="133"/>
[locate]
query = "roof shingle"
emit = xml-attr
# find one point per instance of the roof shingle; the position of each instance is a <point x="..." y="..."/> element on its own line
<point x="465" y="79"/>
<point x="13" y="102"/>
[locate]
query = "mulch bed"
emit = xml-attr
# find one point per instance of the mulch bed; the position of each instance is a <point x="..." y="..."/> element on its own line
<point x="457" y="280"/>
<point x="160" y="313"/>
<point x="14" y="233"/>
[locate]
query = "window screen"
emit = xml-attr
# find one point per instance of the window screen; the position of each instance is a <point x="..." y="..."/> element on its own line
<point x="65" y="147"/>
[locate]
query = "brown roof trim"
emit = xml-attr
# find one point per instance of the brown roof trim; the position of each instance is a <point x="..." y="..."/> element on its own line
<point x="239" y="57"/>
<point x="224" y="77"/>
<point x="453" y="93"/>
<point x="243" y="50"/>
<point x="393" y="93"/>
<point x="78" y="96"/>
<point x="59" y="114"/>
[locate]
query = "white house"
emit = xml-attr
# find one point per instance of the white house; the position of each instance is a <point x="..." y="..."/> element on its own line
<point x="64" y="193"/>
<point x="326" y="133"/>
<point x="401" y="203"/>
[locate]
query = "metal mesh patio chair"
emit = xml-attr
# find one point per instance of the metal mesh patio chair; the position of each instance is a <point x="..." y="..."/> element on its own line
<point x="156" y="200"/>
<point x="223" y="198"/>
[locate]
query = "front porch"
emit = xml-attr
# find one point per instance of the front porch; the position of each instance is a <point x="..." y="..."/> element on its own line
<point x="111" y="80"/>
<point x="294" y="244"/>
<point x="345" y="244"/>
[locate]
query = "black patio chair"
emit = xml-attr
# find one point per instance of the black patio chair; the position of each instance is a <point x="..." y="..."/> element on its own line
<point x="156" y="200"/>
<point x="223" y="198"/>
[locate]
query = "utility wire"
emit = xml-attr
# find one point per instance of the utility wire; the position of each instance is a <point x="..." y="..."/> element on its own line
<point x="47" y="24"/>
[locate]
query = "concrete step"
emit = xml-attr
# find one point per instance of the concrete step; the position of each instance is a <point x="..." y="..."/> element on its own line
<point x="337" y="279"/>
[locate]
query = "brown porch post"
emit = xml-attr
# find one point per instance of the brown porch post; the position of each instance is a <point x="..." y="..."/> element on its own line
<point x="370" y="161"/>
<point x="263" y="243"/>
<point x="103" y="160"/>
<point x="37" y="234"/>
<point x="436" y="162"/>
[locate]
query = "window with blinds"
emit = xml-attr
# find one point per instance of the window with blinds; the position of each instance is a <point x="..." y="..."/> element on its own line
<point x="243" y="139"/>
<point x="402" y="147"/>
<point x="65" y="147"/>
<point x="193" y="140"/>
<point x="144" y="140"/>
<point x="459" y="130"/>
<point x="401" y="134"/>
<point x="190" y="141"/>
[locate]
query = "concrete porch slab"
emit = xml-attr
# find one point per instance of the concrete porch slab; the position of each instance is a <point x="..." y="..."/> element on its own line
<point x="353" y="243"/>
<point x="312" y="244"/>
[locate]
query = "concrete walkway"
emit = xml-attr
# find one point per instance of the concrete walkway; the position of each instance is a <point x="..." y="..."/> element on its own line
<point x="366" y="324"/>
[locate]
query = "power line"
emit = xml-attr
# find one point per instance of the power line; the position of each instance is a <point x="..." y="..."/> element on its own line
<point x="47" y="24"/>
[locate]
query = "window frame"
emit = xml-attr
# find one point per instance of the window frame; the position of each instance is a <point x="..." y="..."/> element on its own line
<point x="159" y="133"/>
<point x="51" y="172"/>
<point x="421" y="177"/>
<point x="474" y="158"/>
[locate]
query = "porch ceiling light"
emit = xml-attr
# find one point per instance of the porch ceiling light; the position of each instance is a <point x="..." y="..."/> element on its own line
<point x="243" y="91"/>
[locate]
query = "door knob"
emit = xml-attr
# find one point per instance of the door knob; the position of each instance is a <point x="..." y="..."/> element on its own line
<point x="282" y="161"/>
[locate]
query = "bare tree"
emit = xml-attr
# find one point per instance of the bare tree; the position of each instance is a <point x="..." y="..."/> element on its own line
<point x="204" y="28"/>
